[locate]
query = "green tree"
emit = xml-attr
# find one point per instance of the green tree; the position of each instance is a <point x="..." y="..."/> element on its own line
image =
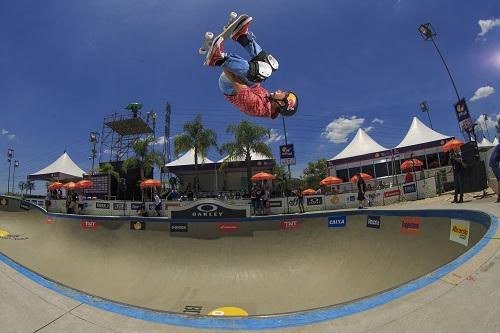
<point x="109" y="169"/>
<point x="144" y="158"/>
<point x="197" y="137"/>
<point x="315" y="172"/>
<point x="30" y="186"/>
<point x="248" y="139"/>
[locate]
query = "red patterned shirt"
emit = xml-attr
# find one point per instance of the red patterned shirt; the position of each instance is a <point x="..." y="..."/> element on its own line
<point x="253" y="101"/>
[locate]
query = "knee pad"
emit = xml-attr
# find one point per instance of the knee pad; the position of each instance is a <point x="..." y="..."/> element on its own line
<point x="259" y="71"/>
<point x="268" y="58"/>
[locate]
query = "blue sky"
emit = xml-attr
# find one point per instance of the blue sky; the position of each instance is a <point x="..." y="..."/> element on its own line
<point x="64" y="65"/>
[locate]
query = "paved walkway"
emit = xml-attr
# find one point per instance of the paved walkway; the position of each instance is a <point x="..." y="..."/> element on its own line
<point x="466" y="300"/>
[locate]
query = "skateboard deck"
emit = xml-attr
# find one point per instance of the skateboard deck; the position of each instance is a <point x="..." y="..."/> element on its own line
<point x="234" y="21"/>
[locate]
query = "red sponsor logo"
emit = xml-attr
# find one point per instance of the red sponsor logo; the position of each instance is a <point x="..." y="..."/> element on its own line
<point x="228" y="227"/>
<point x="92" y="225"/>
<point x="392" y="193"/>
<point x="410" y="225"/>
<point x="50" y="220"/>
<point x="287" y="225"/>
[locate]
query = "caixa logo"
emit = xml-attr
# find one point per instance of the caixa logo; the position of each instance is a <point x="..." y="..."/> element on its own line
<point x="207" y="210"/>
<point x="337" y="221"/>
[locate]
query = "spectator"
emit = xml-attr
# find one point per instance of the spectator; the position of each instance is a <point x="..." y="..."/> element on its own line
<point x="260" y="201"/>
<point x="266" y="201"/>
<point x="47" y="200"/>
<point x="361" y="191"/>
<point x="300" y="200"/>
<point x="457" y="165"/>
<point x="253" y="199"/>
<point x="157" y="204"/>
<point x="494" y="159"/>
<point x="81" y="202"/>
<point x="142" y="210"/>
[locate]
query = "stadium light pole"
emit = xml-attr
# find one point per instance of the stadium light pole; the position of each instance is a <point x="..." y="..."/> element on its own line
<point x="289" y="175"/>
<point x="424" y="107"/>
<point x="94" y="139"/>
<point x="16" y="164"/>
<point x="10" y="155"/>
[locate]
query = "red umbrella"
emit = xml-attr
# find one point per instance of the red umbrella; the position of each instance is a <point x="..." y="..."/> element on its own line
<point x="150" y="183"/>
<point x="55" y="186"/>
<point x="365" y="176"/>
<point x="84" y="183"/>
<point x="69" y="186"/>
<point x="262" y="176"/>
<point x="309" y="191"/>
<point x="409" y="164"/>
<point x="452" y="145"/>
<point x="331" y="180"/>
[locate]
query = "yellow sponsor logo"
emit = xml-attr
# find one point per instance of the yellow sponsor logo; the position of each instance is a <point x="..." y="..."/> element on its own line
<point x="4" y="234"/>
<point x="228" y="311"/>
<point x="460" y="232"/>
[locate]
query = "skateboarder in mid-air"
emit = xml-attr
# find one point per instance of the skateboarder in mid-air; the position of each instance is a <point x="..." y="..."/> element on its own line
<point x="240" y="80"/>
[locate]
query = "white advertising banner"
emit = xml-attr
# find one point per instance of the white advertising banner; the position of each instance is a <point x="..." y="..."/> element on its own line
<point x="459" y="231"/>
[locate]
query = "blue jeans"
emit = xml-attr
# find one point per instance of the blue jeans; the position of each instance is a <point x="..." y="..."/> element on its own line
<point x="239" y="66"/>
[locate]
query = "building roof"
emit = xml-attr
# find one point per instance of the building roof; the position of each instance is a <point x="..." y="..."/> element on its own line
<point x="188" y="159"/>
<point x="419" y="133"/>
<point x="361" y="144"/>
<point x="61" y="169"/>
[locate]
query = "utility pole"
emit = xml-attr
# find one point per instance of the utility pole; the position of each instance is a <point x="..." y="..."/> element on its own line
<point x="10" y="156"/>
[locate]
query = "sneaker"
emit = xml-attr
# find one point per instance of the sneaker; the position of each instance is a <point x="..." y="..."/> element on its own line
<point x="216" y="52"/>
<point x="241" y="28"/>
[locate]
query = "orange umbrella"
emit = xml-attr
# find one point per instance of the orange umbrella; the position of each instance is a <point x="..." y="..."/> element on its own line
<point x="69" y="186"/>
<point x="55" y="186"/>
<point x="262" y="176"/>
<point x="331" y="180"/>
<point x="84" y="183"/>
<point x="408" y="164"/>
<point x="309" y="191"/>
<point x="365" y="176"/>
<point x="452" y="145"/>
<point x="150" y="183"/>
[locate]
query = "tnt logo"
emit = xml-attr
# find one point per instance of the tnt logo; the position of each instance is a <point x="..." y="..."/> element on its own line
<point x="287" y="225"/>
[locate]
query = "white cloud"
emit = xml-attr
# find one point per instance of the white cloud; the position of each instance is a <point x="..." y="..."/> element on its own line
<point x="368" y="129"/>
<point x="377" y="120"/>
<point x="4" y="131"/>
<point x="338" y="130"/>
<point x="487" y="25"/>
<point x="160" y="140"/>
<point x="490" y="123"/>
<point x="275" y="136"/>
<point x="482" y="92"/>
<point x="11" y="136"/>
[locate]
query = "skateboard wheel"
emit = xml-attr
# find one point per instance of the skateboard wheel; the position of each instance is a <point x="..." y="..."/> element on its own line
<point x="232" y="16"/>
<point x="202" y="50"/>
<point x="209" y="35"/>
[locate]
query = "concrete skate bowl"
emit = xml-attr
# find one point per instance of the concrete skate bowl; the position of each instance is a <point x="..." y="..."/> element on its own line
<point x="257" y="273"/>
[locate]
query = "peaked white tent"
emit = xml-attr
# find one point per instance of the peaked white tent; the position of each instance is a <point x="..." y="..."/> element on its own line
<point x="485" y="143"/>
<point x="361" y="144"/>
<point x="419" y="133"/>
<point x="188" y="159"/>
<point x="61" y="169"/>
<point x="495" y="142"/>
<point x="253" y="155"/>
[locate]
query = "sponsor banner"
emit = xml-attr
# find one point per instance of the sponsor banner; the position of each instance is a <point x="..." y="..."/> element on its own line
<point x="90" y="225"/>
<point x="334" y="199"/>
<point x="4" y="234"/>
<point x="50" y="220"/>
<point x="392" y="193"/>
<point x="135" y="205"/>
<point x="118" y="206"/>
<point x="410" y="225"/>
<point x="24" y="205"/>
<point x="292" y="224"/>
<point x="410" y="188"/>
<point x="337" y="221"/>
<point x="229" y="311"/>
<point x="275" y="204"/>
<point x="459" y="231"/>
<point x="350" y="198"/>
<point x="208" y="210"/>
<point x="178" y="227"/>
<point x="102" y="205"/>
<point x="314" y="201"/>
<point x="192" y="309"/>
<point x="228" y="227"/>
<point x="373" y="222"/>
<point x="170" y="204"/>
<point x="137" y="225"/>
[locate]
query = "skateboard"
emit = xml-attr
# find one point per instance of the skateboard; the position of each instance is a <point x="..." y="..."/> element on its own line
<point x="228" y="29"/>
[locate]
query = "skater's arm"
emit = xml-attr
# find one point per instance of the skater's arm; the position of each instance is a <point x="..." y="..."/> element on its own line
<point x="235" y="81"/>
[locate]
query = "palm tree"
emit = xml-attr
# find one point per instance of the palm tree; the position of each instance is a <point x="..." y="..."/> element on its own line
<point x="195" y="136"/>
<point x="249" y="139"/>
<point x="30" y="186"/>
<point x="144" y="159"/>
<point x="109" y="169"/>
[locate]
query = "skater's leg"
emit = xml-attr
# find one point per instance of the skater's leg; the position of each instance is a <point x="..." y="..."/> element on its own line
<point x="238" y="66"/>
<point x="226" y="86"/>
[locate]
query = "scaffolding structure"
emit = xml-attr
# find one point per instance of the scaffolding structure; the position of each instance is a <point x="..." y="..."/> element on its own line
<point x="120" y="131"/>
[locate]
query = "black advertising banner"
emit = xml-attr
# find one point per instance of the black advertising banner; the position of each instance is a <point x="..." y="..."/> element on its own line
<point x="463" y="116"/>
<point x="102" y="205"/>
<point x="287" y="154"/>
<point x="101" y="186"/>
<point x="373" y="222"/>
<point x="314" y="201"/>
<point x="208" y="211"/>
<point x="118" y="206"/>
<point x="178" y="227"/>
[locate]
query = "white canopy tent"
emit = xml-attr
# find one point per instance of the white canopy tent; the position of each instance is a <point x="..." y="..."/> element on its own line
<point x="419" y="133"/>
<point x="61" y="169"/>
<point x="253" y="156"/>
<point x="188" y="159"/>
<point x="485" y="143"/>
<point x="361" y="144"/>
